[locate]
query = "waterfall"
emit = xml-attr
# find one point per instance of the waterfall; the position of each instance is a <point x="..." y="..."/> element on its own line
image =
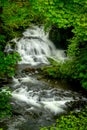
<point x="35" y="47"/>
<point x="38" y="103"/>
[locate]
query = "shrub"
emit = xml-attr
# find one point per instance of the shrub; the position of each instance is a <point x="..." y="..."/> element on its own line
<point x="5" y="107"/>
<point x="8" y="63"/>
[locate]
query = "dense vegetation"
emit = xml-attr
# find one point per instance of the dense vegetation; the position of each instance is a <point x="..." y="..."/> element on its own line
<point x="5" y="107"/>
<point x="17" y="15"/>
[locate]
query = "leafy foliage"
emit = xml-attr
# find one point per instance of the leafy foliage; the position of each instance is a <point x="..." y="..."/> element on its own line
<point x="5" y="107"/>
<point x="8" y="63"/>
<point x="81" y="67"/>
<point x="59" y="70"/>
<point x="15" y="17"/>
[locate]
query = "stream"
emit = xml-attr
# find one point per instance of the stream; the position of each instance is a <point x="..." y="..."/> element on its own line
<point x="37" y="103"/>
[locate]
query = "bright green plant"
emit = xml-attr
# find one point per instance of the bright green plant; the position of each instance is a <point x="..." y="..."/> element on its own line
<point x="73" y="121"/>
<point x="15" y="18"/>
<point x="5" y="107"/>
<point x="1" y="128"/>
<point x="59" y="70"/>
<point x="80" y="65"/>
<point x="8" y="64"/>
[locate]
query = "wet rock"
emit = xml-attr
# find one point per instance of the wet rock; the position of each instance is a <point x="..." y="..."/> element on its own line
<point x="39" y="78"/>
<point x="28" y="70"/>
<point x="5" y="81"/>
<point x="76" y="105"/>
<point x="16" y="113"/>
<point x="31" y="70"/>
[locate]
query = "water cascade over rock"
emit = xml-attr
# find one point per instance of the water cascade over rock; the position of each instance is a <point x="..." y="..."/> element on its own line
<point x="35" y="47"/>
<point x="37" y="103"/>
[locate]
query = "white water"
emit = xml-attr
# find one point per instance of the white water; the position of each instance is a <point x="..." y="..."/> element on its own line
<point x="36" y="99"/>
<point x="31" y="96"/>
<point x="48" y="99"/>
<point x="35" y="47"/>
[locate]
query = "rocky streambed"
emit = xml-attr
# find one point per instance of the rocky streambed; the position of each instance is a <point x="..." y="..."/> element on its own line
<point x="38" y="102"/>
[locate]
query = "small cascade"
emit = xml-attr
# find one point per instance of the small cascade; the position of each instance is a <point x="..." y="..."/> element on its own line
<point x="35" y="47"/>
<point x="35" y="103"/>
<point x="39" y="95"/>
<point x="42" y="99"/>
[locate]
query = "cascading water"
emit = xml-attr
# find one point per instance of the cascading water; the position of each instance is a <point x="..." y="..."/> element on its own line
<point x="35" y="47"/>
<point x="36" y="103"/>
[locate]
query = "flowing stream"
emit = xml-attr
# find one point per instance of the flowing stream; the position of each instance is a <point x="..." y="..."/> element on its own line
<point x="37" y="103"/>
